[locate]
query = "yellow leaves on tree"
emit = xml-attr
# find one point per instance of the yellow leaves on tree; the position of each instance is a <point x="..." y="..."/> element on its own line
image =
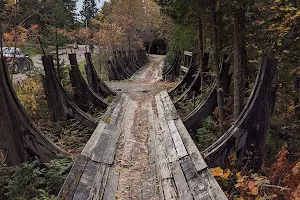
<point x="285" y="16"/>
<point x="30" y="93"/>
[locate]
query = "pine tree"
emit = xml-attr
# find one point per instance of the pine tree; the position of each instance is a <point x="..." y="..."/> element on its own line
<point x="89" y="10"/>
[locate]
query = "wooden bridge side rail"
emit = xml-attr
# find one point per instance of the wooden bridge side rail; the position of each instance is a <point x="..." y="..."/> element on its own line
<point x="181" y="167"/>
<point x="120" y="65"/>
<point x="174" y="68"/>
<point x="126" y="65"/>
<point x="94" y="80"/>
<point x="188" y="77"/>
<point x="58" y="99"/>
<point x="196" y="84"/>
<point x="123" y="65"/>
<point x="83" y="94"/>
<point x="205" y="108"/>
<point x="131" y="61"/>
<point x="249" y="133"/>
<point x="21" y="139"/>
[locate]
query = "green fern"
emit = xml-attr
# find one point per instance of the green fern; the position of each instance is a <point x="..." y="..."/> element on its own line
<point x="35" y="180"/>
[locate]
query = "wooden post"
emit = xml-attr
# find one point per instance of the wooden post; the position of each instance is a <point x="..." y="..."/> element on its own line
<point x="20" y="139"/>
<point x="247" y="137"/>
<point x="54" y="96"/>
<point x="60" y="105"/>
<point x="83" y="94"/>
<point x="95" y="82"/>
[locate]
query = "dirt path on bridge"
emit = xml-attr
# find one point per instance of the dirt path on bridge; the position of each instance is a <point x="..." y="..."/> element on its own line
<point x="133" y="159"/>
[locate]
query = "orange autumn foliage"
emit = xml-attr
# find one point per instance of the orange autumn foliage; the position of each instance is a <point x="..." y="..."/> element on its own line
<point x="280" y="165"/>
<point x="19" y="35"/>
<point x="282" y="181"/>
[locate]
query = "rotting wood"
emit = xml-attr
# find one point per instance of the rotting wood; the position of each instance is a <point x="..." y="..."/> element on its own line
<point x="195" y="86"/>
<point x="188" y="77"/>
<point x="83" y="94"/>
<point x="94" y="80"/>
<point x="205" y="108"/>
<point x="192" y="169"/>
<point x="179" y="146"/>
<point x="111" y="186"/>
<point x="88" y="177"/>
<point x="249" y="133"/>
<point x="163" y="128"/>
<point x="180" y="181"/>
<point x="20" y="138"/>
<point x="128" y="137"/>
<point x="69" y="107"/>
<point x="86" y="181"/>
<point x="70" y="185"/>
<point x="99" y="184"/>
<point x="110" y="150"/>
<point x="91" y="144"/>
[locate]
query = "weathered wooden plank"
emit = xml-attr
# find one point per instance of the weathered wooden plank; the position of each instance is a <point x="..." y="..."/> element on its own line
<point x="198" y="189"/>
<point x="215" y="191"/>
<point x="162" y="160"/>
<point x="115" y="130"/>
<point x="111" y="186"/>
<point x="99" y="183"/>
<point x="202" y="184"/>
<point x="83" y="189"/>
<point x="180" y="181"/>
<point x="150" y="183"/>
<point x="186" y="138"/>
<point x="91" y="144"/>
<point x="69" y="187"/>
<point x="114" y="115"/>
<point x="169" y="189"/>
<point x="167" y="99"/>
<point x="163" y="128"/>
<point x="179" y="146"/>
<point x="191" y="147"/>
<point x="153" y="160"/>
<point x="129" y="140"/>
<point x="101" y="146"/>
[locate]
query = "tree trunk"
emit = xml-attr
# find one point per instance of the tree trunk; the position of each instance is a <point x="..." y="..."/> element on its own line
<point x="238" y="71"/>
<point x="1" y="39"/>
<point x="297" y="91"/>
<point x="150" y="46"/>
<point x="57" y="57"/>
<point x="201" y="51"/>
<point x="243" y="49"/>
<point x="217" y="70"/>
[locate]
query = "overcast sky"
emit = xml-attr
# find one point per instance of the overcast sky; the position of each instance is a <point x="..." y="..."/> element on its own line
<point x="79" y="4"/>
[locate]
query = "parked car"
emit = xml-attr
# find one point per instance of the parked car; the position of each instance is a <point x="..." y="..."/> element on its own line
<point x="22" y="61"/>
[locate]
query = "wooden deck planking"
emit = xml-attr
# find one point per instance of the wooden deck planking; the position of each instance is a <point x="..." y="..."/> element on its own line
<point x="177" y="169"/>
<point x="179" y="146"/>
<point x="111" y="186"/>
<point x="163" y="128"/>
<point x="74" y="176"/>
<point x="116" y="130"/>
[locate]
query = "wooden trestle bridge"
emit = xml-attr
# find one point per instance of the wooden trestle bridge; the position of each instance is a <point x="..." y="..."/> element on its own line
<point x="141" y="148"/>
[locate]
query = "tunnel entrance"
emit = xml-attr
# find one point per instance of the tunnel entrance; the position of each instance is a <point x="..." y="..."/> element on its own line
<point x="158" y="46"/>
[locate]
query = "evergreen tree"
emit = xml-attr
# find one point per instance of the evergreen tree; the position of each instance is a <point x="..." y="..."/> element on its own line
<point x="89" y="10"/>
